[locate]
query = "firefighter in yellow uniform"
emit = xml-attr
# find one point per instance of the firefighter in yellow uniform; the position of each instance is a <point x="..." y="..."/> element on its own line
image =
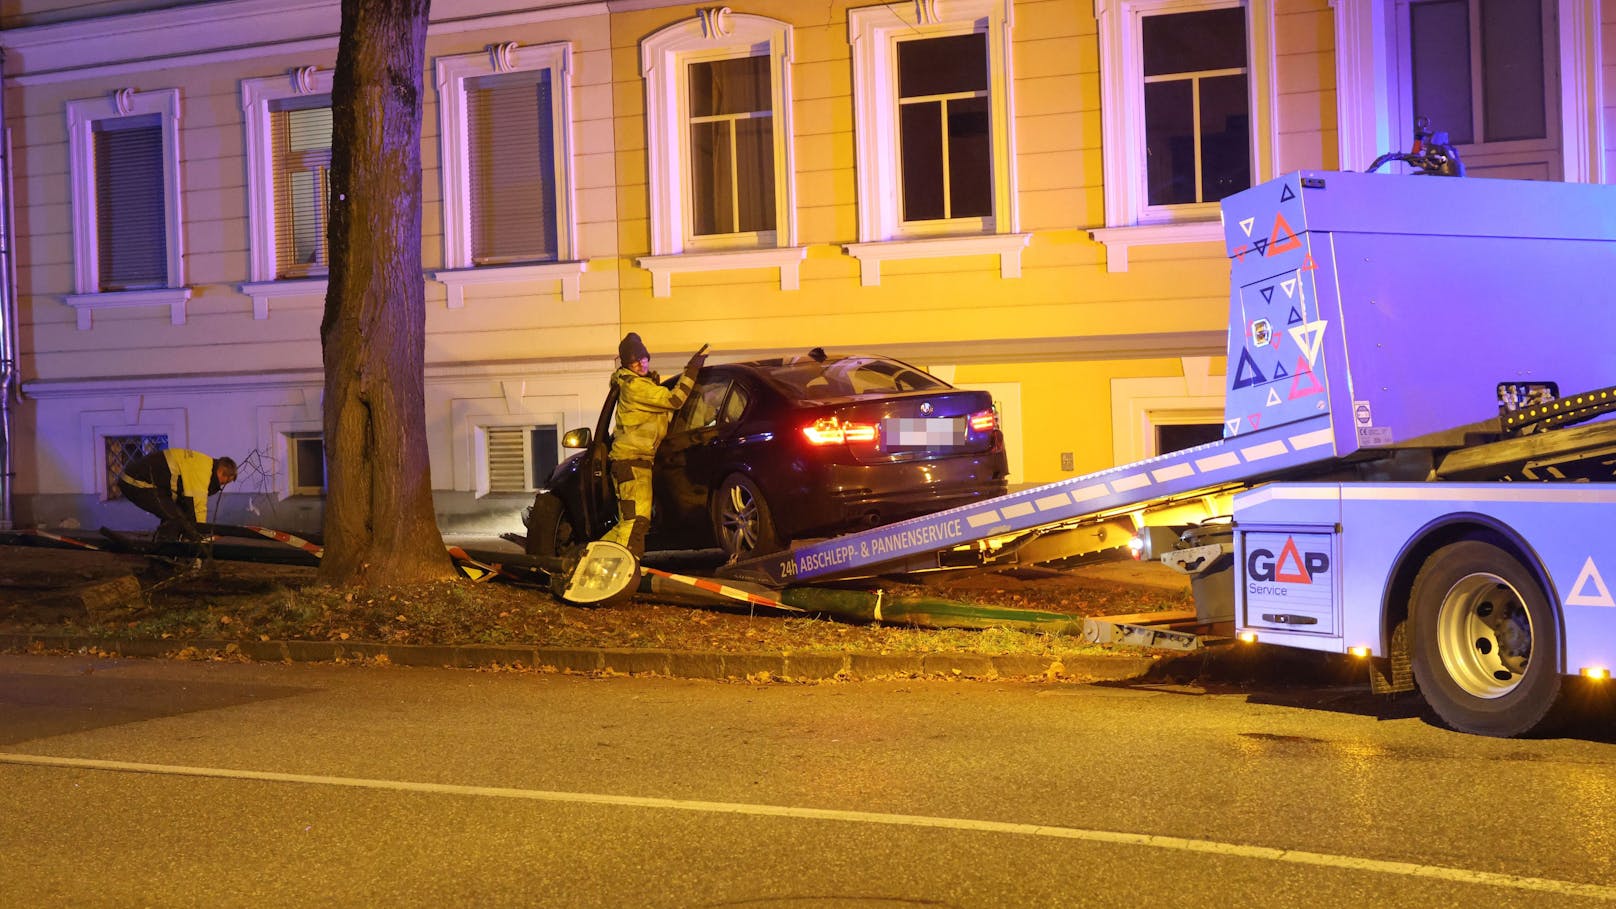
<point x="174" y="484"/>
<point x="644" y="407"/>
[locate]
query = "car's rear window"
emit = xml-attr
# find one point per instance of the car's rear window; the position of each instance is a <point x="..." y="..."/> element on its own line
<point x="805" y="377"/>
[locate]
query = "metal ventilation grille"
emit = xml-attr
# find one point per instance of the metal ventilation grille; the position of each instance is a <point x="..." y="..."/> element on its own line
<point x="507" y="459"/>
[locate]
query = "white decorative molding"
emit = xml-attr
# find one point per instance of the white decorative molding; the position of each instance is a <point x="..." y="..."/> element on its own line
<point x="663" y="56"/>
<point x="264" y="291"/>
<point x="1117" y="240"/>
<point x="256" y="97"/>
<point x="1361" y="79"/>
<point x="96" y="425"/>
<point x="1122" y="104"/>
<point x="455" y="136"/>
<point x="1139" y="405"/>
<point x="306" y="81"/>
<point x="172" y="297"/>
<point x="873" y="32"/>
<point x="1007" y="247"/>
<point x="714" y="22"/>
<point x="663" y="268"/>
<point x="503" y="56"/>
<point x="81" y="120"/>
<point x="457" y="279"/>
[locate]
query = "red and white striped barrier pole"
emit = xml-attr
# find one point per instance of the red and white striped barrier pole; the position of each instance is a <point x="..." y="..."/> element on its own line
<point x="723" y="590"/>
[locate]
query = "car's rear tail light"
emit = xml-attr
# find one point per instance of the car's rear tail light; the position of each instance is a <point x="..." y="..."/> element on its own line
<point x="831" y="431"/>
<point x="984" y="420"/>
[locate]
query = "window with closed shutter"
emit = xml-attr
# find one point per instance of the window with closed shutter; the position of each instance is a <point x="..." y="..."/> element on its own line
<point x="130" y="213"/>
<point x="520" y="458"/>
<point x="511" y="166"/>
<point x="301" y="135"/>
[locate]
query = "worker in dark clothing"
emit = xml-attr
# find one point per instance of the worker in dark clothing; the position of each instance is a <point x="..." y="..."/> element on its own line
<point x="174" y="484"/>
<point x="644" y="407"/>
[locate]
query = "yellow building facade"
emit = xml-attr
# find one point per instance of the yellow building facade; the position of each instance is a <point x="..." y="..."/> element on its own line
<point x="1020" y="195"/>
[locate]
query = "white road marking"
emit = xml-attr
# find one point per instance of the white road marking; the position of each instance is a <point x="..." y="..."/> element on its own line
<point x="1181" y="844"/>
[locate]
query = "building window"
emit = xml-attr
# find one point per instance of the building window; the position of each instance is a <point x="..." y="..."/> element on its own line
<point x="718" y="115"/>
<point x="932" y="119"/>
<point x="731" y="130"/>
<point x="521" y="458"/>
<point x="306" y="464"/>
<point x="1187" y="106"/>
<point x="121" y="451"/>
<point x="1197" y="115"/>
<point x="124" y="161"/>
<point x="288" y="137"/>
<point x="944" y="138"/>
<point x="507" y="180"/>
<point x="1486" y="73"/>
<point x="302" y="187"/>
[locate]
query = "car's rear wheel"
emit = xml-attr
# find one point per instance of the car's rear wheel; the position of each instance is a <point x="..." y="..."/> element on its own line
<point x="742" y="522"/>
<point x="549" y="532"/>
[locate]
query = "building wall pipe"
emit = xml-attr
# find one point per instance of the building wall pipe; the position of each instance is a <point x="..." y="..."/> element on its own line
<point x="9" y="388"/>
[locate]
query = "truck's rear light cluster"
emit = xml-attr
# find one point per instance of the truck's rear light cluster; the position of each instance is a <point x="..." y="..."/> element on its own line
<point x="984" y="421"/>
<point x="831" y="431"/>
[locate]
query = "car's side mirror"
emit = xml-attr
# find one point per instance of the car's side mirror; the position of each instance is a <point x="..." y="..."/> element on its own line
<point x="575" y="438"/>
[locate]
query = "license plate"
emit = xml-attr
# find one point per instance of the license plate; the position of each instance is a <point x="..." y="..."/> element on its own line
<point x="932" y="432"/>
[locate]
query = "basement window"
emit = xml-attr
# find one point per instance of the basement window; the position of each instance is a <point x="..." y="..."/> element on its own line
<point x="521" y="458"/>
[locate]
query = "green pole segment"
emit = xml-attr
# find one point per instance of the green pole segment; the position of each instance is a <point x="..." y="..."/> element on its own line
<point x="925" y="612"/>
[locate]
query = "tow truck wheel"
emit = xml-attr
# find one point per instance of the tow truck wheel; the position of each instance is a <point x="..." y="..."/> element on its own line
<point x="741" y="519"/>
<point x="549" y="533"/>
<point x="1486" y="642"/>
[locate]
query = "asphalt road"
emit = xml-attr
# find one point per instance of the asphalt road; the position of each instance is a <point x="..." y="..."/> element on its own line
<point x="134" y="783"/>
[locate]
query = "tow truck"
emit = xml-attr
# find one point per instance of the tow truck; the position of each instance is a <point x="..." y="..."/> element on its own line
<point x="1400" y="477"/>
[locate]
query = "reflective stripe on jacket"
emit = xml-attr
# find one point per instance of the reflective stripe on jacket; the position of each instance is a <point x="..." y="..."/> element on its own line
<point x="190" y="473"/>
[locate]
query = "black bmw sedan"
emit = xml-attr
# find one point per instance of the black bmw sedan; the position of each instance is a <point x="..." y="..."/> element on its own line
<point x="767" y="452"/>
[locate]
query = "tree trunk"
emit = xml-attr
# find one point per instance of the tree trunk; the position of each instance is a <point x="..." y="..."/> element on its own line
<point x="380" y="527"/>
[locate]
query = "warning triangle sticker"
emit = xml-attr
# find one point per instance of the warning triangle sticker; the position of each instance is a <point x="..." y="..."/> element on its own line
<point x="1283" y="239"/>
<point x="1288" y="569"/>
<point x="1255" y="419"/>
<point x="1273" y="397"/>
<point x="1309" y="336"/>
<point x="1294" y="317"/>
<point x="1268" y="294"/>
<point x="1289" y="285"/>
<point x="1285" y="194"/>
<point x="1308" y="264"/>
<point x="1298" y="390"/>
<point x="1247" y="372"/>
<point x="1261" y="246"/>
<point x="1600" y="596"/>
<point x="1246" y="224"/>
<point x="1231" y="427"/>
<point x="1279" y="372"/>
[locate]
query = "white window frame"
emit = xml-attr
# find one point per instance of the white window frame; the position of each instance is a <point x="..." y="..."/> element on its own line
<point x="455" y="170"/>
<point x="1371" y="119"/>
<point x="713" y="34"/>
<point x="873" y="32"/>
<point x="82" y="116"/>
<point x="257" y="95"/>
<point x="1129" y="220"/>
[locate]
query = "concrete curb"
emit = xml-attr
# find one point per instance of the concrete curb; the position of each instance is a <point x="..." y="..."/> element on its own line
<point x="617" y="661"/>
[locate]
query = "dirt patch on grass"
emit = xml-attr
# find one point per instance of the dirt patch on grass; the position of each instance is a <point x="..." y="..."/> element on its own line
<point x="45" y="591"/>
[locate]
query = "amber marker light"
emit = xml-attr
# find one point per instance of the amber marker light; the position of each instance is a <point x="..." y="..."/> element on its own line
<point x="1358" y="651"/>
<point x="1597" y="673"/>
<point x="1248" y="637"/>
